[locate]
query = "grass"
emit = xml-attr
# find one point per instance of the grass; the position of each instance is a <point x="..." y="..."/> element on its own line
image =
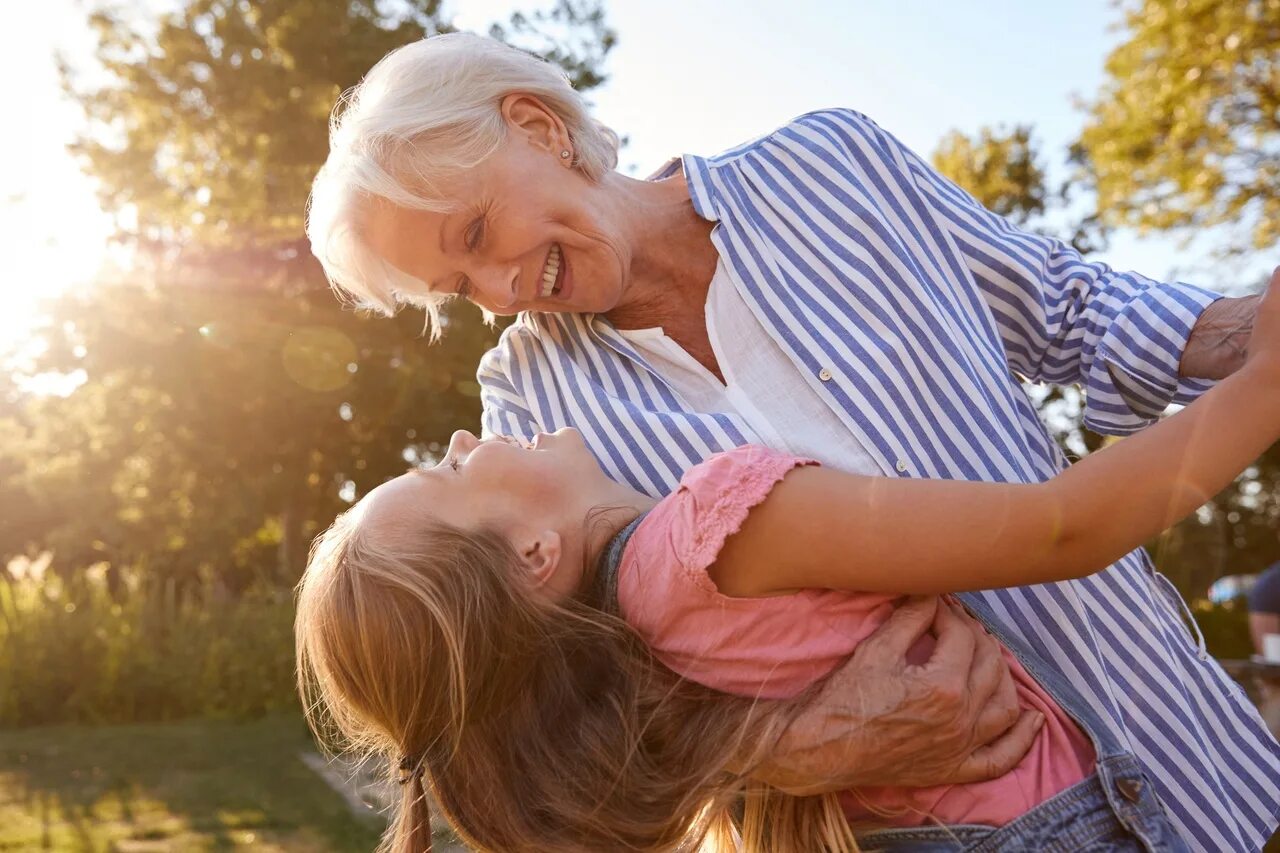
<point x="192" y="786"/>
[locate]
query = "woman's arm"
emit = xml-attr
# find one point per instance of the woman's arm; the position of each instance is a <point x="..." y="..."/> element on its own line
<point x="820" y="528"/>
<point x="1062" y="319"/>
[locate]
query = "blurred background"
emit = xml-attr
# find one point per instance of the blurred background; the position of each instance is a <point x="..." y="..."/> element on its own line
<point x="183" y="404"/>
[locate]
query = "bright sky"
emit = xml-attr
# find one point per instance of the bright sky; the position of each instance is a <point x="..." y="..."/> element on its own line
<point x="688" y="75"/>
<point x="52" y="232"/>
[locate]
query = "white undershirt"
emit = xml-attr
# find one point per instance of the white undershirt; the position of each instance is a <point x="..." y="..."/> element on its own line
<point x="762" y="385"/>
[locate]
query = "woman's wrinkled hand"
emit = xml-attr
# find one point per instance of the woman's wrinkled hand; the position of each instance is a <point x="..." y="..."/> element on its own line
<point x="880" y="720"/>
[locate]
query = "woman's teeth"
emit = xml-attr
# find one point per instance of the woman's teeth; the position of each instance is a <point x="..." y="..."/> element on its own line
<point x="551" y="271"/>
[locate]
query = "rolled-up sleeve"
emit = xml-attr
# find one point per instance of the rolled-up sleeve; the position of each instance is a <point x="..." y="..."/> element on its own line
<point x="1063" y="319"/>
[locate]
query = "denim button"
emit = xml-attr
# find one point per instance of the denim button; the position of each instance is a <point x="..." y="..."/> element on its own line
<point x="1130" y="789"/>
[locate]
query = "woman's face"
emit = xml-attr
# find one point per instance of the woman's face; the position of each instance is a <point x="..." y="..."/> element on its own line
<point x="536" y="495"/>
<point x="529" y="232"/>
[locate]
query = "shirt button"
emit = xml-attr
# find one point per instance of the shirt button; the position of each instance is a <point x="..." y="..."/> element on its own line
<point x="824" y="375"/>
<point x="901" y="466"/>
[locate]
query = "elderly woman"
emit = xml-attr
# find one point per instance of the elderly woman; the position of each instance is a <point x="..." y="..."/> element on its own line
<point x="821" y="290"/>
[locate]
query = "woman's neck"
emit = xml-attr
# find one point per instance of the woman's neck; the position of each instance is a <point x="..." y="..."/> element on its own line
<point x="672" y="258"/>
<point x="672" y="262"/>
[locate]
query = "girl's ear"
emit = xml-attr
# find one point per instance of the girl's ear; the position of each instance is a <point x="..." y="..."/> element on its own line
<point x="541" y="556"/>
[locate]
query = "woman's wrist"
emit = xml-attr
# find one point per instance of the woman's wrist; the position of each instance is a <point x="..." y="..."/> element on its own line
<point x="1219" y="341"/>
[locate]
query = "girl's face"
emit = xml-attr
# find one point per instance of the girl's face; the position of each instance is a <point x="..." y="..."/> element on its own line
<point x="537" y="496"/>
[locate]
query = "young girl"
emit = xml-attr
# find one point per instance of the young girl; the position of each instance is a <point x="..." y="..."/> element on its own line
<point x="571" y="666"/>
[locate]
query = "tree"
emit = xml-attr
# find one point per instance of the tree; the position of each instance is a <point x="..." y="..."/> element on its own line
<point x="215" y="432"/>
<point x="998" y="168"/>
<point x="213" y="119"/>
<point x="1236" y="531"/>
<point x="1185" y="132"/>
<point x="230" y="406"/>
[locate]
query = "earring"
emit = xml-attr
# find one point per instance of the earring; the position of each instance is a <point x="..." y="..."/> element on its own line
<point x="564" y="155"/>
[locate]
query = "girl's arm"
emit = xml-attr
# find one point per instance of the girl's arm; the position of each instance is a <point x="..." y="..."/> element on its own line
<point x="820" y="528"/>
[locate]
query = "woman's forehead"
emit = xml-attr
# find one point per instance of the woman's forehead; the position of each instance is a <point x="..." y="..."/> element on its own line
<point x="387" y="222"/>
<point x="413" y="241"/>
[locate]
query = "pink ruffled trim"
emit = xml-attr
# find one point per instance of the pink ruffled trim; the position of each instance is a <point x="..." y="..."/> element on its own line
<point x="756" y="471"/>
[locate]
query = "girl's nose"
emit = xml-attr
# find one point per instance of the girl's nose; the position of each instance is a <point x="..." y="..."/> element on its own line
<point x="461" y="443"/>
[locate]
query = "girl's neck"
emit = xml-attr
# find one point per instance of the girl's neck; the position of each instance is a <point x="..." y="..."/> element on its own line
<point x="605" y="522"/>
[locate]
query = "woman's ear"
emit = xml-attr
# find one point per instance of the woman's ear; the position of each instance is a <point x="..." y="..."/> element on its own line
<point x="531" y="118"/>
<point x="541" y="556"/>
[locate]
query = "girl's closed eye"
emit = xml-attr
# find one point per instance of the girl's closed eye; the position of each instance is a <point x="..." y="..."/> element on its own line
<point x="452" y="462"/>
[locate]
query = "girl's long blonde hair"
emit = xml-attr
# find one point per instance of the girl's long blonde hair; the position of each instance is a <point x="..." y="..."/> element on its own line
<point x="538" y="727"/>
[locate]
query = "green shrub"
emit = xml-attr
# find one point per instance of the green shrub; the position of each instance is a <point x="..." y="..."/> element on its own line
<point x="73" y="651"/>
<point x="1225" y="628"/>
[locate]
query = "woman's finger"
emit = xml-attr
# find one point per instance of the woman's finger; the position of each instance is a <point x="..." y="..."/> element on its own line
<point x="1000" y="711"/>
<point x="998" y="758"/>
<point x="957" y="641"/>
<point x="909" y="622"/>
<point x="990" y="671"/>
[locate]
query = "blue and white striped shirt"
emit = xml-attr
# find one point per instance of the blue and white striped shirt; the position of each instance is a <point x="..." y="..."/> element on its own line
<point x="909" y="307"/>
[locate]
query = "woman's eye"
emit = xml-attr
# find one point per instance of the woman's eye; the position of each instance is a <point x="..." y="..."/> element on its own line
<point x="475" y="234"/>
<point x="453" y="462"/>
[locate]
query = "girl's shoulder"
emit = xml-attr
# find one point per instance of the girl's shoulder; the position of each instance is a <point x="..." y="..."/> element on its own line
<point x="682" y="535"/>
<point x="715" y="496"/>
<point x="768" y="647"/>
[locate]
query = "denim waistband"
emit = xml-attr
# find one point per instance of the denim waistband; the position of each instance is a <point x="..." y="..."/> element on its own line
<point x="1110" y="812"/>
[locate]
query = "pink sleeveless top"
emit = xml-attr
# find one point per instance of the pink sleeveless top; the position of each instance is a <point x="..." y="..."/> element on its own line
<point x="776" y="647"/>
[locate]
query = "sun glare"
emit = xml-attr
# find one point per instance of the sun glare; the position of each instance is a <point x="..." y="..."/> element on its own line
<point x="52" y="244"/>
<point x="52" y="229"/>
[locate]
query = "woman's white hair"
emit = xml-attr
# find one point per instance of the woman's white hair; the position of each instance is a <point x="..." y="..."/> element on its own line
<point x="425" y="112"/>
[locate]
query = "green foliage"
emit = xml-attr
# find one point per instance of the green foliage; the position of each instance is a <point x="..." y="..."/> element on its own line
<point x="1225" y="628"/>
<point x="1236" y="533"/>
<point x="74" y="650"/>
<point x="1003" y="170"/>
<point x="214" y="432"/>
<point x="999" y="169"/>
<point x="213" y="118"/>
<point x="229" y="407"/>
<point x="1186" y="129"/>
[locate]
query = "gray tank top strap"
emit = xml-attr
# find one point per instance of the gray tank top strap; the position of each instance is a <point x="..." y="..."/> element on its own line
<point x="604" y="589"/>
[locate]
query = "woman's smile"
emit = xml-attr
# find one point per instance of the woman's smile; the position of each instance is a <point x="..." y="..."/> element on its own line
<point x="550" y="272"/>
